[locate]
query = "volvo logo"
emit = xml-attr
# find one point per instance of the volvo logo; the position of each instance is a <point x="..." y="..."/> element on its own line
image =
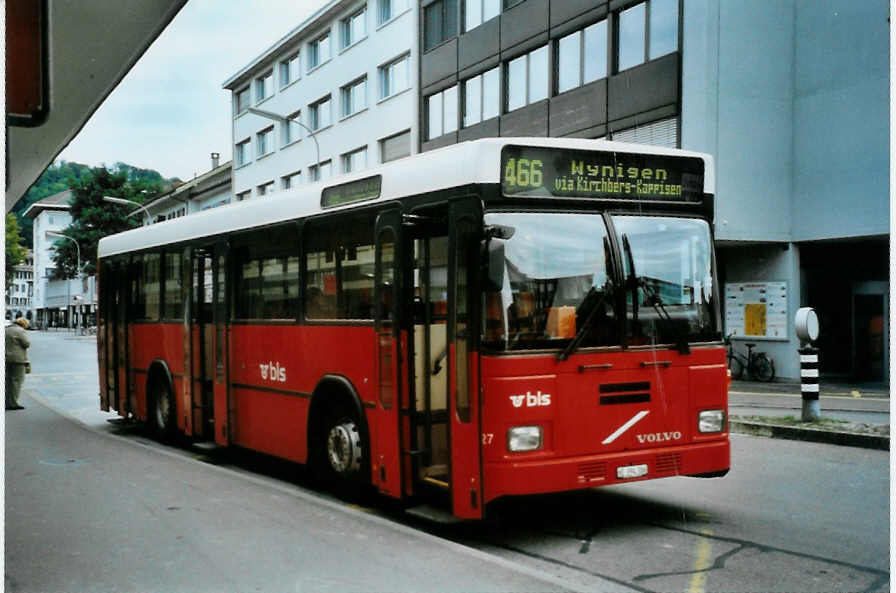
<point x="659" y="437"/>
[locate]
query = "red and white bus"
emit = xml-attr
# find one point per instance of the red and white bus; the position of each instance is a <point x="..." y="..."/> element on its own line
<point x="499" y="317"/>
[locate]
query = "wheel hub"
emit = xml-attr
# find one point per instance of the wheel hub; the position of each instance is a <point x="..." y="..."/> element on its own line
<point x="344" y="448"/>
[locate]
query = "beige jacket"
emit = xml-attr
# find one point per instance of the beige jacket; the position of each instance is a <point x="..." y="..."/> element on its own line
<point x="17" y="344"/>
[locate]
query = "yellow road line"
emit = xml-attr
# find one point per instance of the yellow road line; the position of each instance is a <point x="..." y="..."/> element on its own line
<point x="701" y="563"/>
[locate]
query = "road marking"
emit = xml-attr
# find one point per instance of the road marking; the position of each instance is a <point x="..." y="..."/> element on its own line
<point x="625" y="427"/>
<point x="855" y="394"/>
<point x="701" y="563"/>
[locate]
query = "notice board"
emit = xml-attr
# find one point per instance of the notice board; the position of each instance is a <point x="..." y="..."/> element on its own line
<point x="756" y="310"/>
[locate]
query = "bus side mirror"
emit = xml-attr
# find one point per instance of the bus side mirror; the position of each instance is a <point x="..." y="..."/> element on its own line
<point x="495" y="279"/>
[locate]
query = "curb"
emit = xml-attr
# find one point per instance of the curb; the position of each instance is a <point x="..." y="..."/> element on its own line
<point x="846" y="439"/>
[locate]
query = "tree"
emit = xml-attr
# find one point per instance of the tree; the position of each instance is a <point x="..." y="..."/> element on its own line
<point x="93" y="218"/>
<point x="15" y="251"/>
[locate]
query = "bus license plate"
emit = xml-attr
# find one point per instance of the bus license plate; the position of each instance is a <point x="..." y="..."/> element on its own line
<point x="626" y="472"/>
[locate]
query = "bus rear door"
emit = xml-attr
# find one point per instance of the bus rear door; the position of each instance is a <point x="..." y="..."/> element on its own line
<point x="391" y="348"/>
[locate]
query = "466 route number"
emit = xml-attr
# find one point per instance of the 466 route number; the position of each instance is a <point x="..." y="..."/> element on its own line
<point x="523" y="173"/>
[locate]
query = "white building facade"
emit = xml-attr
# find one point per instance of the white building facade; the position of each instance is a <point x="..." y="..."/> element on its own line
<point x="56" y="303"/>
<point x="336" y="94"/>
<point x="21" y="289"/>
<point x="209" y="190"/>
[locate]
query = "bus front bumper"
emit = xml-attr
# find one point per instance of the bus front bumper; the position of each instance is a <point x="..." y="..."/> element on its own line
<point x="506" y="478"/>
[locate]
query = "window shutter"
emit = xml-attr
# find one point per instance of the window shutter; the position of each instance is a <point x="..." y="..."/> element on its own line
<point x="659" y="133"/>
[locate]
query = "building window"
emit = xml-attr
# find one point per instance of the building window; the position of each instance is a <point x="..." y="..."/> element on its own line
<point x="582" y="57"/>
<point x="389" y="9"/>
<point x="527" y="79"/>
<point x="659" y="133"/>
<point x="241" y="102"/>
<point x="320" y="114"/>
<point x="477" y="12"/>
<point x="646" y="31"/>
<point x="482" y="97"/>
<point x="318" y="51"/>
<point x="439" y="22"/>
<point x="241" y="154"/>
<point x="265" y="188"/>
<point x="264" y="86"/>
<point x="290" y="130"/>
<point x="320" y="172"/>
<point x="395" y="147"/>
<point x="442" y="113"/>
<point x="291" y="181"/>
<point x="243" y="195"/>
<point x="355" y="160"/>
<point x="354" y="28"/>
<point x="395" y="76"/>
<point x="354" y="97"/>
<point x="289" y="70"/>
<point x="263" y="141"/>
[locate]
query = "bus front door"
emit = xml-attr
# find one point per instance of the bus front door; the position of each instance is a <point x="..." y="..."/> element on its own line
<point x="463" y="378"/>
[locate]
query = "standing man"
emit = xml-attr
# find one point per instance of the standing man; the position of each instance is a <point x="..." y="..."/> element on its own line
<point x="17" y="344"/>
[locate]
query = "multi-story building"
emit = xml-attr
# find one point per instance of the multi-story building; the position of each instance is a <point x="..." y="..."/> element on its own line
<point x="50" y="215"/>
<point x="209" y="190"/>
<point x="336" y="94"/>
<point x="21" y="289"/>
<point x="790" y="97"/>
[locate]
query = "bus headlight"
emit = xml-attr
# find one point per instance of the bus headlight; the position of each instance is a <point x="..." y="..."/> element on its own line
<point x="711" y="421"/>
<point x="524" y="438"/>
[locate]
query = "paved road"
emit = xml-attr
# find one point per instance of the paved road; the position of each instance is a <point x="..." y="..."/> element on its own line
<point x="789" y="517"/>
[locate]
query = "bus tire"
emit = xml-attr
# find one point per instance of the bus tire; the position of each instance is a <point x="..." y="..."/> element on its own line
<point x="338" y="447"/>
<point x="161" y="410"/>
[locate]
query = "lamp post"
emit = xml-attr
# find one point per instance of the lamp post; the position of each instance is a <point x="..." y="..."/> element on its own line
<point x="68" y="284"/>
<point x="285" y="121"/>
<point x="126" y="202"/>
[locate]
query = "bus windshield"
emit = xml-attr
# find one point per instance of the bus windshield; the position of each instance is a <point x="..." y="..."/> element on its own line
<point x="552" y="279"/>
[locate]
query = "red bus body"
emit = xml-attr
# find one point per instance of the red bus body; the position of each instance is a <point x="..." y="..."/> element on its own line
<point x="605" y="415"/>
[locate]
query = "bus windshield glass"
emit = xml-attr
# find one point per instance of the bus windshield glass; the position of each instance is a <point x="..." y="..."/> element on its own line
<point x="552" y="268"/>
<point x="668" y="264"/>
<point x="552" y="280"/>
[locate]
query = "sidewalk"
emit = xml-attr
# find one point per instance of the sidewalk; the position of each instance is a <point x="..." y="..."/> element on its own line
<point x="852" y="414"/>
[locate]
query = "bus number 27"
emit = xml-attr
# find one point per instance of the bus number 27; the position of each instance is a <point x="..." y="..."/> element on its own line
<point x="487" y="438"/>
<point x="523" y="173"/>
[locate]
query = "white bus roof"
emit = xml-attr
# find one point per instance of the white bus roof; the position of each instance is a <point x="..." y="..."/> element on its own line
<point x="474" y="162"/>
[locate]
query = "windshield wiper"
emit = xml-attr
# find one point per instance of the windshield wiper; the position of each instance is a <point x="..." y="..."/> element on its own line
<point x="590" y="297"/>
<point x="653" y="299"/>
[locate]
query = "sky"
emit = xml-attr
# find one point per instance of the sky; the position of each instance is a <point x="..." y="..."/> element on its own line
<point x="169" y="113"/>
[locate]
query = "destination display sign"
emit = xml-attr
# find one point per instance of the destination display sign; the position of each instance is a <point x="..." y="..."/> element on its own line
<point x="540" y="172"/>
<point x="353" y="191"/>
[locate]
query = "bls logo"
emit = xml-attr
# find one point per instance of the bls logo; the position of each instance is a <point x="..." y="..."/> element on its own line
<point x="531" y="400"/>
<point x="273" y="371"/>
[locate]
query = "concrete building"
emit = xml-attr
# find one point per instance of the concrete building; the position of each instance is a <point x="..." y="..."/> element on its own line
<point x="790" y="97"/>
<point x="21" y="290"/>
<point x="336" y="94"/>
<point x="209" y="190"/>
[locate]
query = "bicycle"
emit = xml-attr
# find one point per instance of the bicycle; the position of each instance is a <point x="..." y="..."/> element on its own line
<point x="758" y="365"/>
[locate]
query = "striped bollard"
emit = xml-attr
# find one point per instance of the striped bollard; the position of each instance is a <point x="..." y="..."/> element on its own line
<point x="809" y="383"/>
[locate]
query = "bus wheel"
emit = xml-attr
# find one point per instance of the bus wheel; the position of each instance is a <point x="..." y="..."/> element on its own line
<point x="161" y="411"/>
<point x="344" y="449"/>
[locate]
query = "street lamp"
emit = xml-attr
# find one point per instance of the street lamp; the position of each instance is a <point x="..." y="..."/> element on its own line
<point x="285" y="121"/>
<point x="68" y="284"/>
<point x="126" y="202"/>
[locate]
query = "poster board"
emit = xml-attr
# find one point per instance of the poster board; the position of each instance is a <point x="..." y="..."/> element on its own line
<point x="756" y="310"/>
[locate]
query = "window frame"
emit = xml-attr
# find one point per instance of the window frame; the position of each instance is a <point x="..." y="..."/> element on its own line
<point x="349" y="94"/>
<point x="286" y="128"/>
<point x="315" y="60"/>
<point x="481" y="77"/>
<point x="348" y="156"/>
<point x="264" y="87"/>
<point x="263" y="144"/>
<point x="241" y="152"/>
<point x="386" y="78"/>
<point x="648" y="28"/>
<point x="314" y="111"/>
<point x="239" y="106"/>
<point x="346" y="29"/>
<point x="445" y="7"/>
<point x="292" y="67"/>
<point x="527" y="67"/>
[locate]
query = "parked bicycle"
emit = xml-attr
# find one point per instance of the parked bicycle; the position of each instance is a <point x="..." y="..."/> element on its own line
<point x="757" y="364"/>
